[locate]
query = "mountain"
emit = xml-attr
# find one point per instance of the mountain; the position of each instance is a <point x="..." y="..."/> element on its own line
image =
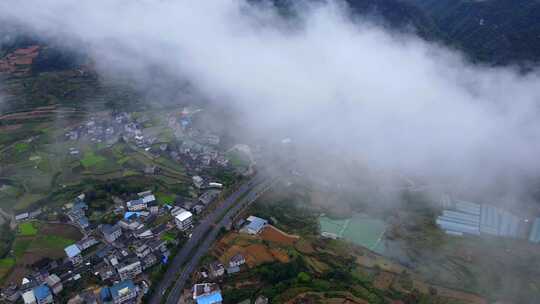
<point x="497" y="32"/>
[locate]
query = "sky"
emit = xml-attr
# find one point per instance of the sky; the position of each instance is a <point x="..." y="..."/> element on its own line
<point x="348" y="88"/>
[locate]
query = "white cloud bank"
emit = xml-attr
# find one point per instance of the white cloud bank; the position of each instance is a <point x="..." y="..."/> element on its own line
<point x="390" y="100"/>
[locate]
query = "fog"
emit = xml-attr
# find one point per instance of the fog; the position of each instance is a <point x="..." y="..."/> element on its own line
<point x="338" y="86"/>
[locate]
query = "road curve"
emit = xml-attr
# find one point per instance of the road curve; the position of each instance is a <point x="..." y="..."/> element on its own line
<point x="204" y="235"/>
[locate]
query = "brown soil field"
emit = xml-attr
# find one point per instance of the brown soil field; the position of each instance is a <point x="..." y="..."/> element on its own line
<point x="280" y="255"/>
<point x="62" y="230"/>
<point x="383" y="280"/>
<point x="304" y="246"/>
<point x="272" y="234"/>
<point x="258" y="254"/>
<point x="16" y="275"/>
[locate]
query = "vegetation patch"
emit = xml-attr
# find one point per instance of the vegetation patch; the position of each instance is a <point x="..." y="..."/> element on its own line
<point x="91" y="159"/>
<point x="21" y="147"/>
<point x="27" y="229"/>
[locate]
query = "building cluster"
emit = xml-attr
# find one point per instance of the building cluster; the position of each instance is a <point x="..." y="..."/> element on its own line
<point x="208" y="292"/>
<point x="461" y="217"/>
<point x="116" y="253"/>
<point x="196" y="150"/>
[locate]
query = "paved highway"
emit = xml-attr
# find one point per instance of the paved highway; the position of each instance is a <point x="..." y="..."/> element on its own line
<point x="203" y="236"/>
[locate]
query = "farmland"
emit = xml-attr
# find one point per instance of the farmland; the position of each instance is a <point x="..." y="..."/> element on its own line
<point x="34" y="242"/>
<point x="292" y="268"/>
<point x="38" y="168"/>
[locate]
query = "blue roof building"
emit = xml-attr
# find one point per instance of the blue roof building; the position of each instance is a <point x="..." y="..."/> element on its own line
<point x="534" y="236"/>
<point x="255" y="225"/>
<point x="130" y="214"/>
<point x="123" y="291"/>
<point x="105" y="295"/>
<point x="72" y="250"/>
<point x="43" y="294"/>
<point x="212" y="298"/>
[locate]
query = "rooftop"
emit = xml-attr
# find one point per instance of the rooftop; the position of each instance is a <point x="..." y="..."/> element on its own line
<point x="72" y="250"/>
<point x="42" y="292"/>
<point x="182" y="216"/>
<point x="214" y="297"/>
<point x="120" y="289"/>
<point x="108" y="229"/>
<point x="256" y="223"/>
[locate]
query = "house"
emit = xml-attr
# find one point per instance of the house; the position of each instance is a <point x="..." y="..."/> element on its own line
<point x="207" y="293"/>
<point x="104" y="271"/>
<point x="73" y="253"/>
<point x="148" y="199"/>
<point x="216" y="269"/>
<point x="136" y="205"/>
<point x="158" y="245"/>
<point x="43" y="294"/>
<point x="209" y="196"/>
<point x="237" y="260"/>
<point x="233" y="269"/>
<point x="54" y="283"/>
<point x="143" y="233"/>
<point x="111" y="232"/>
<point x="122" y="292"/>
<point x="154" y="208"/>
<point x="83" y="222"/>
<point x="149" y="261"/>
<point x="131" y="224"/>
<point x="11" y="294"/>
<point x="197" y="209"/>
<point x="77" y="211"/>
<point x="129" y="269"/>
<point x="29" y="297"/>
<point x="22" y="217"/>
<point x="87" y="242"/>
<point x="255" y="224"/>
<point x="177" y="210"/>
<point x="142" y="251"/>
<point x="198" y="181"/>
<point x="184" y="220"/>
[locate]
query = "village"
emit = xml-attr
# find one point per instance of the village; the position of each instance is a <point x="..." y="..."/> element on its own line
<point x="115" y="250"/>
<point x="120" y="255"/>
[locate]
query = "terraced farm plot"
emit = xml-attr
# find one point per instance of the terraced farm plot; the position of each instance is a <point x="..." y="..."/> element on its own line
<point x="48" y="241"/>
<point x="27" y="229"/>
<point x="91" y="159"/>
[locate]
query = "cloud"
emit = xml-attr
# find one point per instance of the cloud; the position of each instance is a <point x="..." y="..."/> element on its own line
<point x="349" y="88"/>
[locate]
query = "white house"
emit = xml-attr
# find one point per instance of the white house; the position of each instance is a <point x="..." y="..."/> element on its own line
<point x="184" y="220"/>
<point x="136" y="205"/>
<point x="237" y="260"/>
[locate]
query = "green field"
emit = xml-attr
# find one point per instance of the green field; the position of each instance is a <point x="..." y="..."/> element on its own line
<point x="91" y="159"/>
<point x="359" y="229"/>
<point x="163" y="198"/>
<point x="21" y="147"/>
<point x="51" y="242"/>
<point x="27" y="229"/>
<point x="7" y="263"/>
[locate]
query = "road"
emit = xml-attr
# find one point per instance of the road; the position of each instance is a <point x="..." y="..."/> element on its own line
<point x="203" y="236"/>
